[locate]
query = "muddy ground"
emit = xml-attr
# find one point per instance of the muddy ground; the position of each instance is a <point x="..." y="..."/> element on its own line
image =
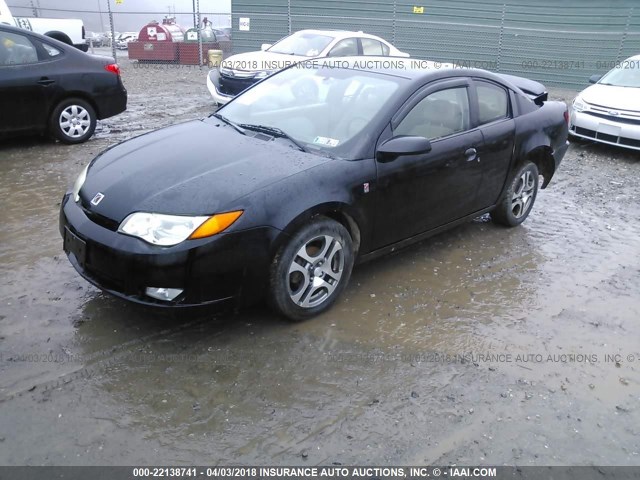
<point x="483" y="345"/>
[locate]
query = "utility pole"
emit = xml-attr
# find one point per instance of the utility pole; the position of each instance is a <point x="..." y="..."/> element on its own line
<point x="113" y="32"/>
<point x="101" y="21"/>
<point x="199" y="34"/>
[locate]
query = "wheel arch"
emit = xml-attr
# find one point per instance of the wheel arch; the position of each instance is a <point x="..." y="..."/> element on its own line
<point x="337" y="211"/>
<point x="280" y="294"/>
<point x="542" y="157"/>
<point x="60" y="36"/>
<point x="74" y="94"/>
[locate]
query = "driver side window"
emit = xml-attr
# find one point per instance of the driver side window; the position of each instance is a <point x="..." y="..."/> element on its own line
<point x="439" y="114"/>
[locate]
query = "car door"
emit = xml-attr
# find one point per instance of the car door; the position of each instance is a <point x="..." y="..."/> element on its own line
<point x="420" y="192"/>
<point x="495" y="120"/>
<point x="24" y="84"/>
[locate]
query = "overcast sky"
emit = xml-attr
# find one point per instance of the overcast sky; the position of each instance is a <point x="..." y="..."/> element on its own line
<point x="95" y="16"/>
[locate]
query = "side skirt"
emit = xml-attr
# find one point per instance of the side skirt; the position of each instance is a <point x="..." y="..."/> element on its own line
<point x="418" y="238"/>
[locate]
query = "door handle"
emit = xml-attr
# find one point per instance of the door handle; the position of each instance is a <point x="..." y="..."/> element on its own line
<point x="471" y="154"/>
<point x="44" y="81"/>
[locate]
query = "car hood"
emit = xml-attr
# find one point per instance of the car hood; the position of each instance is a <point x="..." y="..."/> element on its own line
<point x="194" y="168"/>
<point x="618" y="98"/>
<point x="260" y="60"/>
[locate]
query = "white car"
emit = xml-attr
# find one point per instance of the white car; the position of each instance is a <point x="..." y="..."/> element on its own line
<point x="239" y="72"/>
<point x="122" y="40"/>
<point x="609" y="111"/>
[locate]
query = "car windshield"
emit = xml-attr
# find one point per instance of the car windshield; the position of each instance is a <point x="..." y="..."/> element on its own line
<point x="325" y="110"/>
<point x="626" y="75"/>
<point x="302" y="43"/>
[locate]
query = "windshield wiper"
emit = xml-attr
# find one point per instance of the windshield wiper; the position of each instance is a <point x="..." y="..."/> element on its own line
<point x="273" y="131"/>
<point x="229" y="122"/>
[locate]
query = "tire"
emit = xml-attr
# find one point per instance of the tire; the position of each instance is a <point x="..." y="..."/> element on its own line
<point x="309" y="273"/>
<point x="519" y="197"/>
<point x="73" y="121"/>
<point x="61" y="37"/>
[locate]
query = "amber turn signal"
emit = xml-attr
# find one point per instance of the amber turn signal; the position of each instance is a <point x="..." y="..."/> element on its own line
<point x="216" y="224"/>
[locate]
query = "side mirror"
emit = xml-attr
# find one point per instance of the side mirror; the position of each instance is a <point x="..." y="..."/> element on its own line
<point x="594" y="78"/>
<point x="402" y="145"/>
<point x="264" y="46"/>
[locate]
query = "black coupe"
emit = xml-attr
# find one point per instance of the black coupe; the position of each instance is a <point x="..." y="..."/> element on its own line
<point x="49" y="86"/>
<point x="317" y="167"/>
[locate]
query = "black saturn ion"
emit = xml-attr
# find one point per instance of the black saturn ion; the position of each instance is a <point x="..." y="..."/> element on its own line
<point x="283" y="189"/>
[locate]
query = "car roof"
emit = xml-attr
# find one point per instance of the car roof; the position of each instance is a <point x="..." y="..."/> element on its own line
<point x="416" y="70"/>
<point x="339" y="33"/>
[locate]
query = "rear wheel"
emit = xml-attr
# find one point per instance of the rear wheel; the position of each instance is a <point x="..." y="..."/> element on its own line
<point x="519" y="197"/>
<point x="310" y="272"/>
<point x="73" y="121"/>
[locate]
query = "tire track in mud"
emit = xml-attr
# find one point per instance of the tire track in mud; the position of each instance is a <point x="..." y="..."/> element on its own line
<point x="96" y="362"/>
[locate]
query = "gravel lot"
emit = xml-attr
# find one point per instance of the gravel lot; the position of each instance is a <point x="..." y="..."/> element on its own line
<point x="483" y="345"/>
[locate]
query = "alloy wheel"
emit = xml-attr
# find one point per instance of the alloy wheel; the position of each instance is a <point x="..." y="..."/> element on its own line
<point x="523" y="194"/>
<point x="316" y="271"/>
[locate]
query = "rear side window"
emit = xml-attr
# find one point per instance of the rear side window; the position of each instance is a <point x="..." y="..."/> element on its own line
<point x="374" y="47"/>
<point x="493" y="102"/>
<point x="16" y="50"/>
<point x="51" y="51"/>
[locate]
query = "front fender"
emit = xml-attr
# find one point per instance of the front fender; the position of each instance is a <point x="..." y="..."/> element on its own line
<point x="335" y="189"/>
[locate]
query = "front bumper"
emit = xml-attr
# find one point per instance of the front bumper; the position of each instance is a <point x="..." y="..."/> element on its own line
<point x="223" y="89"/>
<point x="621" y="133"/>
<point x="211" y="270"/>
<point x="212" y="86"/>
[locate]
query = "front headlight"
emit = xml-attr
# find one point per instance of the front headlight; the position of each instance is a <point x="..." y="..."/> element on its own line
<point x="578" y="104"/>
<point x="264" y="74"/>
<point x="78" y="183"/>
<point x="169" y="230"/>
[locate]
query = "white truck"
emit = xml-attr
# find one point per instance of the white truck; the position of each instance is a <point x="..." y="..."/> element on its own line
<point x="67" y="30"/>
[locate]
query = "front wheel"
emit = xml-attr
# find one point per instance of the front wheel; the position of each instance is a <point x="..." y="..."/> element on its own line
<point x="73" y="121"/>
<point x="311" y="270"/>
<point x="518" y="199"/>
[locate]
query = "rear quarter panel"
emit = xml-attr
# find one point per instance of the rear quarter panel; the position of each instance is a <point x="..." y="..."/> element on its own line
<point x="85" y="77"/>
<point x="542" y="128"/>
